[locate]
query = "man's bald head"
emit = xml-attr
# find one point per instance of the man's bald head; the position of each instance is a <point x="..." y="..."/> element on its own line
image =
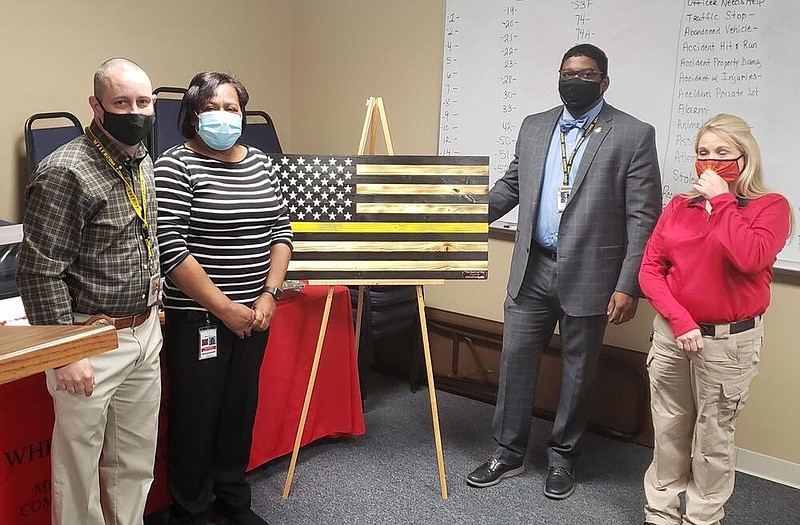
<point x="110" y="67"/>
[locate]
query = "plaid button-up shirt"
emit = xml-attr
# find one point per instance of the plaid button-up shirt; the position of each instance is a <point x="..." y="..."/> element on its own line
<point x="84" y="247"/>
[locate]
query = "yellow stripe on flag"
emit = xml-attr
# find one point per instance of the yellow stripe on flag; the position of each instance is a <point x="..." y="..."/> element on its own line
<point x="390" y="227"/>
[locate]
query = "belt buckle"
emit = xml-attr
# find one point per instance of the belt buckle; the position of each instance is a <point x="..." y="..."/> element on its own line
<point x="550" y="254"/>
<point x="100" y="320"/>
<point x="707" y="330"/>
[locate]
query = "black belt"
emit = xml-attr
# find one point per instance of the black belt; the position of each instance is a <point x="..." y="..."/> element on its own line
<point x="710" y="330"/>
<point x="550" y="254"/>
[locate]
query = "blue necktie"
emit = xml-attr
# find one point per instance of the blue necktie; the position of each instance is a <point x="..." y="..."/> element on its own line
<point x="567" y="124"/>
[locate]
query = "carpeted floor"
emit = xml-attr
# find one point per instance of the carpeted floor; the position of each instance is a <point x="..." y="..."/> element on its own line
<point x="389" y="476"/>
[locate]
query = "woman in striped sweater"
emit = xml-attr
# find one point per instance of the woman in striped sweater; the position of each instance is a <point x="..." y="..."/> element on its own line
<point x="225" y="244"/>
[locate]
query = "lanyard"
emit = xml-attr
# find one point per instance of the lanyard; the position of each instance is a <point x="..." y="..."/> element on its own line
<point x="139" y="209"/>
<point x="566" y="163"/>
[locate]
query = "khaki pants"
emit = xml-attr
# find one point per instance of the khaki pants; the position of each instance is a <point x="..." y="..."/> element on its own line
<point x="103" y="446"/>
<point x="695" y="399"/>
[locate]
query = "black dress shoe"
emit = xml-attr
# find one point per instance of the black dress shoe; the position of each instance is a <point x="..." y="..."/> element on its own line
<point x="491" y="472"/>
<point x="560" y="483"/>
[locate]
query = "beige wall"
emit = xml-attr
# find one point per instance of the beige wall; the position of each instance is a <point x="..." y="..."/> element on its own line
<point x="312" y="64"/>
<point x="347" y="50"/>
<point x="770" y="424"/>
<point x="52" y="47"/>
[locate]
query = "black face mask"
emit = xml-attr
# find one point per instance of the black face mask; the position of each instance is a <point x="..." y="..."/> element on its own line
<point x="578" y="94"/>
<point x="128" y="128"/>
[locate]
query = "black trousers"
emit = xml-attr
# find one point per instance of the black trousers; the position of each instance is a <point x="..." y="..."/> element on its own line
<point x="212" y="407"/>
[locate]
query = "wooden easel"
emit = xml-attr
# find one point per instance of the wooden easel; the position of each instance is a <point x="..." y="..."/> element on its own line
<point x="375" y="112"/>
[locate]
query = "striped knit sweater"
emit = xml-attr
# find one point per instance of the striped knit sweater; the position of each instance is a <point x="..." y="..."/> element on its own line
<point x="226" y="215"/>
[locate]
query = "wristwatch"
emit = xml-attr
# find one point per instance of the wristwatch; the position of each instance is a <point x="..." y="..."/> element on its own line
<point x="274" y="291"/>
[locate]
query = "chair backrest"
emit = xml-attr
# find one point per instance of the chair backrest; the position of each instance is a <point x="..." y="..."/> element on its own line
<point x="260" y="132"/>
<point x="166" y="132"/>
<point x="46" y="132"/>
<point x="10" y="237"/>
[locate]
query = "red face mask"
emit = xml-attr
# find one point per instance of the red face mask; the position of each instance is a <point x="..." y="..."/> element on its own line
<point x="728" y="169"/>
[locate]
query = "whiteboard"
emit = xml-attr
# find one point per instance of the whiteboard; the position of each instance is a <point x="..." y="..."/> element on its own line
<point x="672" y="63"/>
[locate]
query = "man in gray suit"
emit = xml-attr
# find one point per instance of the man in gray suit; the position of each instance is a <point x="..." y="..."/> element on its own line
<point x="586" y="178"/>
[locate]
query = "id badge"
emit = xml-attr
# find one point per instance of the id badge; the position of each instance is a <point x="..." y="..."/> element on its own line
<point x="155" y="288"/>
<point x="208" y="342"/>
<point x="562" y="196"/>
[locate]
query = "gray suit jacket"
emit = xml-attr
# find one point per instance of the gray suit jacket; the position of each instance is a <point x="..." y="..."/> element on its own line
<point x="615" y="202"/>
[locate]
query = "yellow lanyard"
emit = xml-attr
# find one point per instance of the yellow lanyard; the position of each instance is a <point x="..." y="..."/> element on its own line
<point x="139" y="209"/>
<point x="566" y="164"/>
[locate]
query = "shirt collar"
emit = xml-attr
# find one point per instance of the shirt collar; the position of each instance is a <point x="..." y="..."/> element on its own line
<point x="740" y="201"/>
<point x="117" y="153"/>
<point x="589" y="115"/>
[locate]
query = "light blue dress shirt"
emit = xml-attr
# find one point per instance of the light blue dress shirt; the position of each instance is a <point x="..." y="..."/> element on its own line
<point x="549" y="217"/>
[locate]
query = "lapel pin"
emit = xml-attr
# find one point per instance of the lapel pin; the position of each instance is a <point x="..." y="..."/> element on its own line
<point x="598" y="129"/>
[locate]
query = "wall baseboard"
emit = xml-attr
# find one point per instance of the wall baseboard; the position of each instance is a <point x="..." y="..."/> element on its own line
<point x="768" y="467"/>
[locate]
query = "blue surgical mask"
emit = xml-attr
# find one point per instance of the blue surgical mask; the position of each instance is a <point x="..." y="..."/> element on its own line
<point x="219" y="129"/>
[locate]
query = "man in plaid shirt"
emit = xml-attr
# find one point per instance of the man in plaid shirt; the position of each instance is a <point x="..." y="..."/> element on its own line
<point x="89" y="255"/>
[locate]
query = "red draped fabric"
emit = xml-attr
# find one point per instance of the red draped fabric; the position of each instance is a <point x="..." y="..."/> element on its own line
<point x="26" y="409"/>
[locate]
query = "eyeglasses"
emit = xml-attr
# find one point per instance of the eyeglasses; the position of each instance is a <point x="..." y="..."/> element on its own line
<point x="583" y="74"/>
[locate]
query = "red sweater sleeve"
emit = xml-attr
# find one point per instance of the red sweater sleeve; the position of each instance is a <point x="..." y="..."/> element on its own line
<point x="751" y="247"/>
<point x="653" y="276"/>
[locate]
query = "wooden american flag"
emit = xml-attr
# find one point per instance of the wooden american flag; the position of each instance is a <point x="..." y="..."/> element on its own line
<point x="384" y="218"/>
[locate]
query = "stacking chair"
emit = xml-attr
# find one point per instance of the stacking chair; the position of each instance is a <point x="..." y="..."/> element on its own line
<point x="46" y="132"/>
<point x="390" y="318"/>
<point x="260" y="132"/>
<point x="165" y="131"/>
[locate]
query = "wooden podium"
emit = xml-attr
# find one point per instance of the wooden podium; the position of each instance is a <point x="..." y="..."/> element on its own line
<point x="27" y="350"/>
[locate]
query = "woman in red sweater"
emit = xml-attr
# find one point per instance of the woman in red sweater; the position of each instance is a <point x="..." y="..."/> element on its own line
<point x="707" y="270"/>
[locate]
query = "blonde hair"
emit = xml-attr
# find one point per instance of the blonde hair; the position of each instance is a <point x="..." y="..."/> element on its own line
<point x="736" y="130"/>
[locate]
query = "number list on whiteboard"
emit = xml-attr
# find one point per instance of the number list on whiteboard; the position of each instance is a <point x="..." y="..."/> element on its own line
<point x="672" y="64"/>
